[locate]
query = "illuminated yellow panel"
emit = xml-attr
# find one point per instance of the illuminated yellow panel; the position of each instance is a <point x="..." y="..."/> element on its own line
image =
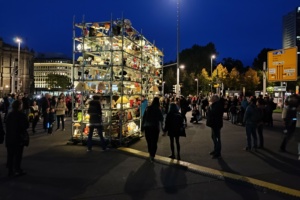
<point x="282" y="65"/>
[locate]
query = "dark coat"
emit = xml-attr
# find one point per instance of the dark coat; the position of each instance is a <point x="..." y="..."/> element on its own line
<point x="248" y="114"/>
<point x="45" y="103"/>
<point x="95" y="112"/>
<point x="214" y="117"/>
<point x="2" y="133"/>
<point x="173" y="123"/>
<point x="152" y="117"/>
<point x="16" y="125"/>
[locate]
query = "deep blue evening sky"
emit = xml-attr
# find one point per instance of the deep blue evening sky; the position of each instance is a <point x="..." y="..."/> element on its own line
<point x="239" y="29"/>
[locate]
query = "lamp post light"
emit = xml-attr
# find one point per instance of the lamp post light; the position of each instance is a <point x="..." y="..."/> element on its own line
<point x="197" y="85"/>
<point x="178" y="91"/>
<point x="211" y="63"/>
<point x="18" y="40"/>
<point x="178" y="42"/>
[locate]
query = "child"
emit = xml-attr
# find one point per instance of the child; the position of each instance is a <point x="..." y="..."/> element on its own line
<point x="50" y="117"/>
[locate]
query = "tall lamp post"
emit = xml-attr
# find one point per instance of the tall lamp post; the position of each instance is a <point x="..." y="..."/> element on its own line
<point x="178" y="37"/>
<point x="211" y="64"/>
<point x="197" y="85"/>
<point x="18" y="40"/>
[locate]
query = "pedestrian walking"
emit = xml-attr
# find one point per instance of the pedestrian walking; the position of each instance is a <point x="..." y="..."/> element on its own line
<point x="95" y="113"/>
<point x="173" y="123"/>
<point x="49" y="119"/>
<point x="60" y="109"/>
<point x="16" y="131"/>
<point x="151" y="124"/>
<point x="36" y="115"/>
<point x="45" y="105"/>
<point x="214" y="120"/>
<point x="184" y="106"/>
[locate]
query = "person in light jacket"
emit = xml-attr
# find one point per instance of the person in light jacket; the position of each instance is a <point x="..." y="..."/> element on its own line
<point x="60" y="109"/>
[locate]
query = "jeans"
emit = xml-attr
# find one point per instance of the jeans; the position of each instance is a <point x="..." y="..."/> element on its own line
<point x="251" y="133"/>
<point x="260" y="129"/>
<point x="62" y="119"/>
<point x="177" y="145"/>
<point x="216" y="137"/>
<point x="90" y="137"/>
<point x="233" y="118"/>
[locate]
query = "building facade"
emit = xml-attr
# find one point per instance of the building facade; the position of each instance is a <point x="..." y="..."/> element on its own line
<point x="291" y="31"/>
<point x="14" y="78"/>
<point x="45" y="64"/>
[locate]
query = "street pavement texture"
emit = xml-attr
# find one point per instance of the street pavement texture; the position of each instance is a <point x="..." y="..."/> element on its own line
<point x="57" y="169"/>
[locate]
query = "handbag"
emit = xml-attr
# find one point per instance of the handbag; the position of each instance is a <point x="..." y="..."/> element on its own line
<point x="182" y="131"/>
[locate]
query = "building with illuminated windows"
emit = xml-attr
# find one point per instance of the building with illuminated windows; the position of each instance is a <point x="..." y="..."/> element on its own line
<point x="14" y="78"/>
<point x="50" y="63"/>
<point x="291" y="31"/>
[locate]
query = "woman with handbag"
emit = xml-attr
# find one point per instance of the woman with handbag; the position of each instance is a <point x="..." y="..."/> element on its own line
<point x="16" y="138"/>
<point x="175" y="128"/>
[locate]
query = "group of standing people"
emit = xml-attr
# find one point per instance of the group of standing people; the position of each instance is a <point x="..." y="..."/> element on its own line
<point x="18" y="109"/>
<point x="257" y="113"/>
<point x="165" y="116"/>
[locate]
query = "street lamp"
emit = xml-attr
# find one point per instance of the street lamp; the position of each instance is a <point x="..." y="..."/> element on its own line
<point x="197" y="85"/>
<point x="18" y="40"/>
<point x="178" y="85"/>
<point x="178" y="42"/>
<point x="211" y="63"/>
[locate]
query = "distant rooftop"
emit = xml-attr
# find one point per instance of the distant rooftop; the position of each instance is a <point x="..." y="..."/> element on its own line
<point x="51" y="55"/>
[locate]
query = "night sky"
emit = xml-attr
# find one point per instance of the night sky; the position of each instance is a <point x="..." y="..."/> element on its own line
<point x="239" y="29"/>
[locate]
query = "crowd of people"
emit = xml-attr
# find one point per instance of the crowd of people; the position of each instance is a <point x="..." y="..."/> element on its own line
<point x="166" y="114"/>
<point x="21" y="111"/>
<point x="254" y="113"/>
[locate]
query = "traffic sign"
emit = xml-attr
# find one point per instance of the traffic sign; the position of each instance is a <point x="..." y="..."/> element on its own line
<point x="279" y="88"/>
<point x="282" y="65"/>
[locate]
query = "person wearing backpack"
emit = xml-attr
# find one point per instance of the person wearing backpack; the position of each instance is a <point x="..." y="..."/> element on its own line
<point x="251" y="125"/>
<point x="173" y="123"/>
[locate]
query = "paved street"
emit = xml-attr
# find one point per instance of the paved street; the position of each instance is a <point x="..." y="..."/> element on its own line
<point x="57" y="170"/>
